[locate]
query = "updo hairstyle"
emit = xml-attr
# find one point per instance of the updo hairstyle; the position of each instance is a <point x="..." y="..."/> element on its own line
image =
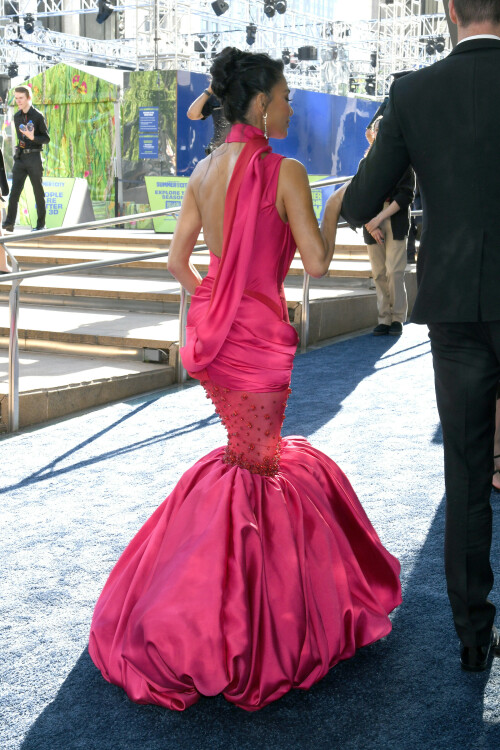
<point x="238" y="76"/>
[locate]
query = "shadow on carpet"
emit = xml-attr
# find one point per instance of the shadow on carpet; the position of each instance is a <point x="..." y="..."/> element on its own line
<point x="75" y="492"/>
<point x="404" y="692"/>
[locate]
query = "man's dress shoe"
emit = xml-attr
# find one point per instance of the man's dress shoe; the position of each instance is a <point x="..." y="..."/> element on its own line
<point x="476" y="658"/>
<point x="8" y="227"/>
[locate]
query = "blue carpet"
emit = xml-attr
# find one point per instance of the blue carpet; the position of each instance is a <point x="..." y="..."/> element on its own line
<point x="74" y="493"/>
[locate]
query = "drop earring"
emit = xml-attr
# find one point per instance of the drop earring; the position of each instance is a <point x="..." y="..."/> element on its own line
<point x="265" y="125"/>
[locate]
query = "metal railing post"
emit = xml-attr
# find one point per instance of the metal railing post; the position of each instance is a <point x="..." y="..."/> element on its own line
<point x="304" y="318"/>
<point x="13" y="397"/>
<point x="181" y="371"/>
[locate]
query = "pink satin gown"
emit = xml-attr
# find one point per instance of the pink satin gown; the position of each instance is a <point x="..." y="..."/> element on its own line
<point x="261" y="570"/>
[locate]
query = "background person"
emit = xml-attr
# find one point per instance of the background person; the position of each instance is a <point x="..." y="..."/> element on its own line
<point x="451" y="139"/>
<point x="4" y="190"/>
<point x="207" y="105"/>
<point x="32" y="134"/>
<point x="385" y="236"/>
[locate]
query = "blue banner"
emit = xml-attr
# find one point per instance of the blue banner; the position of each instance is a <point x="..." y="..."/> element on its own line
<point x="148" y="119"/>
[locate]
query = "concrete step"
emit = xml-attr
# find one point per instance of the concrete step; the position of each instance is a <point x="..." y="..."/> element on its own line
<point x="51" y="386"/>
<point x="347" y="266"/>
<point x="145" y="337"/>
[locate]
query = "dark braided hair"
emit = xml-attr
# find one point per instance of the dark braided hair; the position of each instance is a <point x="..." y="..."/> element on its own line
<point x="238" y="76"/>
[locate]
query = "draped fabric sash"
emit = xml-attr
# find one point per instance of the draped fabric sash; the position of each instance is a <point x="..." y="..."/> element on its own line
<point x="241" y="213"/>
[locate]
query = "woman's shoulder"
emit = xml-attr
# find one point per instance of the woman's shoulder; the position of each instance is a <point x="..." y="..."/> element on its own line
<point x="292" y="172"/>
<point x="292" y="167"/>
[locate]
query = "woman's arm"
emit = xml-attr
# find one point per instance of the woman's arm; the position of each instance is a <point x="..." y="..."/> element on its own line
<point x="186" y="233"/>
<point x="315" y="245"/>
<point x="195" y="108"/>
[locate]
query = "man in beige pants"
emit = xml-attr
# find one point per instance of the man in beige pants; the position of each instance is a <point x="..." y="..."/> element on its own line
<point x="385" y="236"/>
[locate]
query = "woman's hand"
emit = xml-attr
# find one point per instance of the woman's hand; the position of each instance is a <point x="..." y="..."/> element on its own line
<point x="378" y="236"/>
<point x="373" y="224"/>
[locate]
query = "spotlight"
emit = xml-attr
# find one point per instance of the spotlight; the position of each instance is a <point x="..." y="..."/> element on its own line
<point x="269" y="8"/>
<point x="29" y="23"/>
<point x="12" y="70"/>
<point x="251" y="31"/>
<point x="373" y="59"/>
<point x="430" y="47"/>
<point x="219" y="7"/>
<point x="370" y="85"/>
<point x="308" y="53"/>
<point x="440" y="43"/>
<point x="285" y="56"/>
<point x="280" y="6"/>
<point x="104" y="9"/>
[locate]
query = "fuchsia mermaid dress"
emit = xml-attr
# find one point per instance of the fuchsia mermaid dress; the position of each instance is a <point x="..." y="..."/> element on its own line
<point x="261" y="570"/>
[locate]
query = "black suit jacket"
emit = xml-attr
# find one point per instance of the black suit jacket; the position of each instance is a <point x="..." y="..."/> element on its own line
<point x="4" y="185"/>
<point x="444" y="120"/>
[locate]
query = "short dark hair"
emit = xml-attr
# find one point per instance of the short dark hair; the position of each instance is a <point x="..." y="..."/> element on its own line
<point x="23" y="90"/>
<point x="238" y="76"/>
<point x="477" y="11"/>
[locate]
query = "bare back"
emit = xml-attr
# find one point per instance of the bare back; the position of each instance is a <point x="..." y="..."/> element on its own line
<point x="210" y="182"/>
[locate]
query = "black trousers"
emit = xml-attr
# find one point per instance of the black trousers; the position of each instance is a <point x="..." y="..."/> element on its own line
<point x="466" y="358"/>
<point x="28" y="165"/>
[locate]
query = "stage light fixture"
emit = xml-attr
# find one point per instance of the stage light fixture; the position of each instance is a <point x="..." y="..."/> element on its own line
<point x="373" y="59"/>
<point x="104" y="10"/>
<point x="269" y="8"/>
<point x="285" y="56"/>
<point x="12" y="70"/>
<point x="29" y="23"/>
<point x="308" y="53"/>
<point x="370" y="85"/>
<point x="280" y="6"/>
<point x="219" y="7"/>
<point x="430" y="47"/>
<point x="251" y="32"/>
<point x="440" y="44"/>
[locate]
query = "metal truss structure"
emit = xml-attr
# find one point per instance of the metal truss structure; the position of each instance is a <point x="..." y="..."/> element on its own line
<point x="319" y="54"/>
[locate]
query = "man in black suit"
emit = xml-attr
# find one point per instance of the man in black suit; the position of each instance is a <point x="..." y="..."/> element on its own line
<point x="444" y="121"/>
<point x="31" y="130"/>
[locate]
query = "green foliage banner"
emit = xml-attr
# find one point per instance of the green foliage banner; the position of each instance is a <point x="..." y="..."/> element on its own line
<point x="79" y="110"/>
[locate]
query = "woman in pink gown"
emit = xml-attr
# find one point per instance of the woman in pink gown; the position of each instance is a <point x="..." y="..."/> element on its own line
<point x="261" y="570"/>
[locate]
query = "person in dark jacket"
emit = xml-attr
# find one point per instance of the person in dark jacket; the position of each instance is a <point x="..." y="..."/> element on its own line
<point x="385" y="236"/>
<point x="4" y="190"/>
<point x="32" y="134"/>
<point x="443" y="120"/>
<point x="207" y="105"/>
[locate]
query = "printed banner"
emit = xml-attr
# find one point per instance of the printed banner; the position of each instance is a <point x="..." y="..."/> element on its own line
<point x="165" y="192"/>
<point x="149" y="119"/>
<point x="57" y="194"/>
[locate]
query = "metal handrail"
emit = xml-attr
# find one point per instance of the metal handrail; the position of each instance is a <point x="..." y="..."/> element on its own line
<point x="17" y="276"/>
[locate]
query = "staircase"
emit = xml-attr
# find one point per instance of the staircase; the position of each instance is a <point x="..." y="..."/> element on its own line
<point x="89" y="338"/>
